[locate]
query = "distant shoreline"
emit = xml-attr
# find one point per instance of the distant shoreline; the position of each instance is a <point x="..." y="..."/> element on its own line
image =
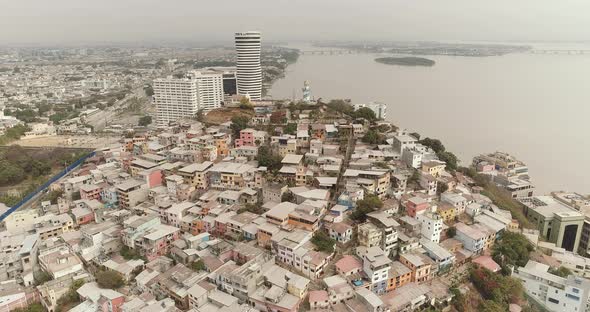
<point x="406" y="61"/>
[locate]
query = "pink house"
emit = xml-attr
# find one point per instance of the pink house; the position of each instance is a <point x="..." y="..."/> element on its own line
<point x="111" y="302"/>
<point x="158" y="241"/>
<point x="153" y="177"/>
<point x="348" y="265"/>
<point x="488" y="263"/>
<point x="416" y="205"/>
<point x="90" y="191"/>
<point x="82" y="215"/>
<point x="246" y="138"/>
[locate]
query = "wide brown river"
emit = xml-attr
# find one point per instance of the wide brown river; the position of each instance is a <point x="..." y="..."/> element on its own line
<point x="536" y="107"/>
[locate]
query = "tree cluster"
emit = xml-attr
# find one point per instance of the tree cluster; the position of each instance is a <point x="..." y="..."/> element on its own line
<point x="239" y="123"/>
<point x="513" y="249"/>
<point x="373" y="137"/>
<point x="364" y="206"/>
<point x="502" y="290"/>
<point x="109" y="279"/>
<point x="449" y="158"/>
<point x="268" y="159"/>
<point x="145" y="120"/>
<point x="323" y="242"/>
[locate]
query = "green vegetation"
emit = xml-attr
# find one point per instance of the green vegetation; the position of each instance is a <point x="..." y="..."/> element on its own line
<point x="253" y="208"/>
<point x="267" y="158"/>
<point x="198" y="265"/>
<point x="130" y="254"/>
<point x="451" y="232"/>
<point x="490" y="306"/>
<point x="63" y="115"/>
<point x="291" y="128"/>
<point x="109" y="279"/>
<point x="405" y="61"/>
<point x="369" y="204"/>
<point x="449" y="158"/>
<point x="41" y="277"/>
<point x="13" y="134"/>
<point x="145" y="120"/>
<point x="502" y="290"/>
<point x="149" y="90"/>
<point x="239" y="123"/>
<point x="33" y="307"/>
<point x="366" y="113"/>
<point x="561" y="271"/>
<point x="288" y="196"/>
<point x="70" y="298"/>
<point x="373" y="137"/>
<point x="323" y="242"/>
<point x="513" y="249"/>
<point x="503" y="200"/>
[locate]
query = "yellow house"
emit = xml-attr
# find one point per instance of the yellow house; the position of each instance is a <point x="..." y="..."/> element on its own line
<point x="196" y="174"/>
<point x="447" y="212"/>
<point x="221" y="142"/>
<point x="434" y="167"/>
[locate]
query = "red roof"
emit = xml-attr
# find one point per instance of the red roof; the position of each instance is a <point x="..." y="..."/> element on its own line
<point x="318" y="296"/>
<point x="488" y="263"/>
<point x="348" y="263"/>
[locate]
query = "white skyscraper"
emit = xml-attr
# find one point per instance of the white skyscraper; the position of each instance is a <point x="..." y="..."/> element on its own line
<point x="177" y="98"/>
<point x="249" y="71"/>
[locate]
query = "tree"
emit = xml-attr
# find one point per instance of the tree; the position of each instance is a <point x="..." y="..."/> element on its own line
<point x="33" y="307"/>
<point x="492" y="286"/>
<point x="366" y="113"/>
<point x="245" y="103"/>
<point x="268" y="159"/>
<point x="435" y="144"/>
<point x="450" y="159"/>
<point x="109" y="279"/>
<point x="441" y="188"/>
<point x="416" y="135"/>
<point x="130" y="253"/>
<point x="491" y="306"/>
<point x="198" y="265"/>
<point x="288" y="196"/>
<point x="149" y="90"/>
<point x="291" y="128"/>
<point x="512" y="249"/>
<point x="144" y="121"/>
<point x="372" y="137"/>
<point x="365" y="206"/>
<point x="561" y="271"/>
<point x="323" y="242"/>
<point x="41" y="277"/>
<point x="239" y="123"/>
<point x="10" y="174"/>
<point x="415" y="177"/>
<point x="451" y="232"/>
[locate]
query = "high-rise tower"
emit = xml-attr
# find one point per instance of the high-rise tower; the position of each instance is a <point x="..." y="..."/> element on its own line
<point x="249" y="71"/>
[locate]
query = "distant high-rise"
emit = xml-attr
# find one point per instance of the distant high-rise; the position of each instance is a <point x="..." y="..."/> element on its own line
<point x="177" y="98"/>
<point x="249" y="71"/>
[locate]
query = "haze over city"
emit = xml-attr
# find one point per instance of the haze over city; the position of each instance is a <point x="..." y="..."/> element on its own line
<point x="69" y="21"/>
<point x="294" y="156"/>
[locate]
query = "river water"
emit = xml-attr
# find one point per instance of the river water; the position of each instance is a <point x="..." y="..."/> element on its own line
<point x="535" y="106"/>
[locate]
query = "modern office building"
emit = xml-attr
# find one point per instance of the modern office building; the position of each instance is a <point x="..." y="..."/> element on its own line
<point x="555" y="293"/>
<point x="249" y="70"/>
<point x="557" y="222"/>
<point x="177" y="98"/>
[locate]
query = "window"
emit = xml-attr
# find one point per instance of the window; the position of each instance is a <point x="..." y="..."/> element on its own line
<point x="553" y="300"/>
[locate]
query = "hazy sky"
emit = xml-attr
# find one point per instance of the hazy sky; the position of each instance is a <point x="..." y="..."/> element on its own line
<point x="72" y="21"/>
